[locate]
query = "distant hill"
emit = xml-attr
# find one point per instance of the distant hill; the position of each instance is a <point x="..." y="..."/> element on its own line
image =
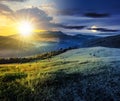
<point x="41" y="42"/>
<point x="86" y="37"/>
<point x="56" y="39"/>
<point x="49" y="36"/>
<point x="111" y="41"/>
<point x="56" y="36"/>
<point x="7" y="42"/>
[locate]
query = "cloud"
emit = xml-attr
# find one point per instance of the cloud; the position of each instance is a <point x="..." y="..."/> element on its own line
<point x="70" y="27"/>
<point x="4" y="8"/>
<point x="69" y="12"/>
<point x="46" y="5"/>
<point x="38" y="16"/>
<point x="50" y="8"/>
<point x="103" y="29"/>
<point x="14" y="0"/>
<point x="96" y="15"/>
<point x="6" y="11"/>
<point x="78" y="12"/>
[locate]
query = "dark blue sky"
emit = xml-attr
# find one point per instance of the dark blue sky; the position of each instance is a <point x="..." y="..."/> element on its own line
<point x="104" y="14"/>
<point x="91" y="5"/>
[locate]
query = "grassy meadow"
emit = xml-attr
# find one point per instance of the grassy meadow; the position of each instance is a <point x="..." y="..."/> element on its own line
<point x="87" y="74"/>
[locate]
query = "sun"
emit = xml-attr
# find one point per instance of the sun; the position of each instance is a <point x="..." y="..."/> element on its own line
<point x="93" y="28"/>
<point x="25" y="28"/>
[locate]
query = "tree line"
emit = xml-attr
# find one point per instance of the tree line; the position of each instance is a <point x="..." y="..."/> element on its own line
<point x="34" y="58"/>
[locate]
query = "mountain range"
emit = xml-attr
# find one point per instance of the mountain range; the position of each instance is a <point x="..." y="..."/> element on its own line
<point x="18" y="46"/>
<point x="110" y="41"/>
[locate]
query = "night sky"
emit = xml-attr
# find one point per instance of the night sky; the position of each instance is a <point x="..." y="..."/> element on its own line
<point x="104" y="14"/>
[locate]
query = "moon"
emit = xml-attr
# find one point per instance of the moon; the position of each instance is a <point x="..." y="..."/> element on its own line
<point x="93" y="28"/>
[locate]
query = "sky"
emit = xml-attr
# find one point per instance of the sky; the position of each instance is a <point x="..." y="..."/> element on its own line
<point x="94" y="17"/>
<point x="90" y="16"/>
<point x="38" y="12"/>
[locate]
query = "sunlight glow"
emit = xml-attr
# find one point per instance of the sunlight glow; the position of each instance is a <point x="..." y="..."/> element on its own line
<point x="25" y="28"/>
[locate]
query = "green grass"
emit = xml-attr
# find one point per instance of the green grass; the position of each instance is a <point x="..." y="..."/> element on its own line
<point x="80" y="79"/>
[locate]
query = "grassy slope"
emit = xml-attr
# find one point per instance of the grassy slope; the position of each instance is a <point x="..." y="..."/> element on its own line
<point x="88" y="74"/>
<point x="111" y="41"/>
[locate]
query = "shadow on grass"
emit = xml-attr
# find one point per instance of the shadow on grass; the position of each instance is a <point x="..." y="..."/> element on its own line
<point x="61" y="86"/>
<point x="11" y="90"/>
<point x="12" y="76"/>
<point x="78" y="87"/>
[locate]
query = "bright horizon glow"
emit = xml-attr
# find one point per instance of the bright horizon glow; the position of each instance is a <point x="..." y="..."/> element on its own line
<point x="25" y="28"/>
<point x="93" y="28"/>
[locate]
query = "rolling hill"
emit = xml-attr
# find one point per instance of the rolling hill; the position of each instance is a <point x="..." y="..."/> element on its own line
<point x="17" y="46"/>
<point x="7" y="43"/>
<point x="84" y="74"/>
<point x="111" y="41"/>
